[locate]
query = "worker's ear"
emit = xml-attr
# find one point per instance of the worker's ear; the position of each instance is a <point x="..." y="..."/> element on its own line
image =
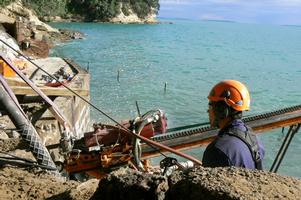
<point x="222" y="110"/>
<point x="226" y="112"/>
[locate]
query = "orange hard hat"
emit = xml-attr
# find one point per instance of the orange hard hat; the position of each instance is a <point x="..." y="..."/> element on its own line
<point x="233" y="93"/>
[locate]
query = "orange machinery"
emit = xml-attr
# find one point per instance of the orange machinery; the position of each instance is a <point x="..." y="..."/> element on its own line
<point x="109" y="147"/>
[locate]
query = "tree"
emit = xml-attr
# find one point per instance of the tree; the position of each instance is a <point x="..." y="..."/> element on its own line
<point x="102" y="10"/>
<point x="5" y="2"/>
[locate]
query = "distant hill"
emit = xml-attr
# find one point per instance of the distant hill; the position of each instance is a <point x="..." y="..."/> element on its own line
<point x="122" y="11"/>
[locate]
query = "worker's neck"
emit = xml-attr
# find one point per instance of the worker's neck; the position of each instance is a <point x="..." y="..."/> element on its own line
<point x="225" y="122"/>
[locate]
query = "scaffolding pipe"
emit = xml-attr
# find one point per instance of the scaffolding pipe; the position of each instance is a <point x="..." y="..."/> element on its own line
<point x="25" y="128"/>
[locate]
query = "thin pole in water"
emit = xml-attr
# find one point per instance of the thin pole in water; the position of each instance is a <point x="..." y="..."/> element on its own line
<point x="138" y="109"/>
<point x="165" y="87"/>
<point x="118" y="75"/>
<point x="88" y="67"/>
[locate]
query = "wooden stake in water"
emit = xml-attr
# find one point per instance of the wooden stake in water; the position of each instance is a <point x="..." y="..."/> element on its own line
<point x="165" y="87"/>
<point x="138" y="109"/>
<point x="118" y="75"/>
<point x="88" y="67"/>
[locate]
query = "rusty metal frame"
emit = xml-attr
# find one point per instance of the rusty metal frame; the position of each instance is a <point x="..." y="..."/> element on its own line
<point x="196" y="137"/>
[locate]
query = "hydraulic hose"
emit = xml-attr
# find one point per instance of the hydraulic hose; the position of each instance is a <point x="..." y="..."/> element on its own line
<point x="139" y="124"/>
<point x="136" y="147"/>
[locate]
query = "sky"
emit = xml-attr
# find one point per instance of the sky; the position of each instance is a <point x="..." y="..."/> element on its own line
<point x="283" y="12"/>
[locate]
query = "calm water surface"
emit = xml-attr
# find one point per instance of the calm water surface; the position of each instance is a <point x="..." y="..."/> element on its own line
<point x="191" y="56"/>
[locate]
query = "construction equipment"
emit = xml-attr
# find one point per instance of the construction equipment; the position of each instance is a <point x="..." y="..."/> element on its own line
<point x="109" y="147"/>
<point x="107" y="157"/>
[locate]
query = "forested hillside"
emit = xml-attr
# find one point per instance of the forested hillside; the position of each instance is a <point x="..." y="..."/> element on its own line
<point x="90" y="10"/>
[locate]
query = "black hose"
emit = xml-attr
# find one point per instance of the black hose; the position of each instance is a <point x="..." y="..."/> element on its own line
<point x="145" y="119"/>
<point x="21" y="162"/>
<point x="137" y="148"/>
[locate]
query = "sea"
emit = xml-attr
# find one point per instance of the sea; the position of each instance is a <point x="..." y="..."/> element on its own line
<point x="173" y="65"/>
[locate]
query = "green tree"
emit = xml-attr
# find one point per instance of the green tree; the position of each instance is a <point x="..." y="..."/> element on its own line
<point x="5" y="2"/>
<point x="101" y="10"/>
<point x="47" y="7"/>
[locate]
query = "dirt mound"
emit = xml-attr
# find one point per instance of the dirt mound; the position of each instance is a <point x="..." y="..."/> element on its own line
<point x="18" y="183"/>
<point x="21" y="184"/>
<point x="199" y="183"/>
<point x="232" y="183"/>
<point x="130" y="184"/>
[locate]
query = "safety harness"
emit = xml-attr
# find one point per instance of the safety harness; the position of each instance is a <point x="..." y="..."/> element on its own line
<point x="249" y="138"/>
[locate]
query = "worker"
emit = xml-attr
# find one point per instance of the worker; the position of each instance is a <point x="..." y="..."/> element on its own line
<point x="236" y="144"/>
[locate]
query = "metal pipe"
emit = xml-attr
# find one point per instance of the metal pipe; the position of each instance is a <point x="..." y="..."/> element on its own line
<point x="282" y="151"/>
<point x="26" y="129"/>
<point x="161" y="146"/>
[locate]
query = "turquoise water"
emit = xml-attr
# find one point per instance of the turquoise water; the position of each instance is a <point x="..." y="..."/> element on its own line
<point x="191" y="56"/>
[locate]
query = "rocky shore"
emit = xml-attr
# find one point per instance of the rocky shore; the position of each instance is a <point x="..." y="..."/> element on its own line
<point x="33" y="36"/>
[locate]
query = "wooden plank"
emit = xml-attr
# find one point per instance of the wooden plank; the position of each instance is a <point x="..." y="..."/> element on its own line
<point x="49" y="91"/>
<point x="15" y="81"/>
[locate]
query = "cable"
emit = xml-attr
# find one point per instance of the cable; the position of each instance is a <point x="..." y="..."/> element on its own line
<point x="22" y="161"/>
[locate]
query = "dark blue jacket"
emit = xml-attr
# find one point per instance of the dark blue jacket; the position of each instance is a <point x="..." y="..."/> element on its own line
<point x="227" y="150"/>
